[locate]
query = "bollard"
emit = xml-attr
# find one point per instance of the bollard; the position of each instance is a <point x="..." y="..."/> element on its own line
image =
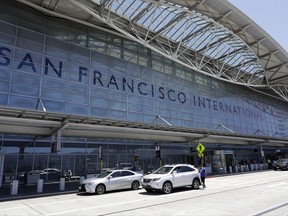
<point x="236" y="169"/>
<point x="81" y="178"/>
<point x="230" y="169"/>
<point x="247" y="168"/>
<point x="62" y="184"/>
<point x="241" y="167"/>
<point x="14" y="187"/>
<point x="40" y="186"/>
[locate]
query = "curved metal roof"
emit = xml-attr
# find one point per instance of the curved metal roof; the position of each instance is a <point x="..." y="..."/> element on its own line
<point x="211" y="37"/>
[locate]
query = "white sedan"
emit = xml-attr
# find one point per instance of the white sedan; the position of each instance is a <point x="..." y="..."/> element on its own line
<point x="111" y="180"/>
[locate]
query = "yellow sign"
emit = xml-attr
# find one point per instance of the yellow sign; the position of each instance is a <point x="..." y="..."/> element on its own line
<point x="200" y="154"/>
<point x="200" y="148"/>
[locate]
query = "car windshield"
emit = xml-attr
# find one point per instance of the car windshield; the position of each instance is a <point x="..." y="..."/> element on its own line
<point x="103" y="174"/>
<point x="163" y="170"/>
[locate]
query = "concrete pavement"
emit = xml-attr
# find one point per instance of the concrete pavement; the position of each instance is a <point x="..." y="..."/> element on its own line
<point x="53" y="188"/>
<point x="30" y="191"/>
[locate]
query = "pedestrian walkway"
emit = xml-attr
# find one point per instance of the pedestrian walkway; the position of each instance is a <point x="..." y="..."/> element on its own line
<point x="30" y="191"/>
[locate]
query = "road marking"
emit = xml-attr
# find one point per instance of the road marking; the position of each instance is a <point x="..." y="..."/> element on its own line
<point x="121" y="203"/>
<point x="108" y="205"/>
<point x="269" y="209"/>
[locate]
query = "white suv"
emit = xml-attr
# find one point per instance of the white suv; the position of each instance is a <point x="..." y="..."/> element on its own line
<point x="172" y="176"/>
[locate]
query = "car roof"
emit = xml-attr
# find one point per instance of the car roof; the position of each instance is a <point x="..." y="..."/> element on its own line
<point x="178" y="165"/>
<point x="119" y="170"/>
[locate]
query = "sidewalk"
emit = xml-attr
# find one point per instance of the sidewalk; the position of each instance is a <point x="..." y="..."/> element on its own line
<point x="30" y="191"/>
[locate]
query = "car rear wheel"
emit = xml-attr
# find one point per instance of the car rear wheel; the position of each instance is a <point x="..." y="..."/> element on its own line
<point x="135" y="185"/>
<point x="167" y="187"/>
<point x="195" y="184"/>
<point x="100" y="189"/>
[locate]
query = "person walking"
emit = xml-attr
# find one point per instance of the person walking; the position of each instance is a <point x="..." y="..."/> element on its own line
<point x="203" y="174"/>
<point x="69" y="175"/>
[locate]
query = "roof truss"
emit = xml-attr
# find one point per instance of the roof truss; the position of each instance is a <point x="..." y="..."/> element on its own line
<point x="193" y="33"/>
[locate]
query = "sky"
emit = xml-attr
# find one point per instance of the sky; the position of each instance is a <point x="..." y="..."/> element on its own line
<point x="270" y="15"/>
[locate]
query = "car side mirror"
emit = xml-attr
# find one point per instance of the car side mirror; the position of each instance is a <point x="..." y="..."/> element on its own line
<point x="174" y="172"/>
<point x="109" y="177"/>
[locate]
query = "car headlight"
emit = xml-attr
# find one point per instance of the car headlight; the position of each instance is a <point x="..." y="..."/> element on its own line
<point x="156" y="179"/>
<point x="90" y="183"/>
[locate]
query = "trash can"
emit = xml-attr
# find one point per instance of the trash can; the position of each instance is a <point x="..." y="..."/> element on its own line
<point x="33" y="176"/>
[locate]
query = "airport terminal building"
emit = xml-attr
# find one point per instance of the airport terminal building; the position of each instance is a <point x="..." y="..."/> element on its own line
<point x="93" y="84"/>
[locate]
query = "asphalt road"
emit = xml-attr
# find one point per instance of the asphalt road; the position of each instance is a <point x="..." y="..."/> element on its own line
<point x="258" y="193"/>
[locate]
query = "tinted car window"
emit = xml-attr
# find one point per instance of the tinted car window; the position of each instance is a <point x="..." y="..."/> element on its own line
<point x="177" y="169"/>
<point x="163" y="170"/>
<point x="186" y="169"/>
<point x="103" y="174"/>
<point x="127" y="173"/>
<point x="116" y="174"/>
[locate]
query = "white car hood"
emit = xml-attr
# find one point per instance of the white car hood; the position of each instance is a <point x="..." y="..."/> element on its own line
<point x="89" y="180"/>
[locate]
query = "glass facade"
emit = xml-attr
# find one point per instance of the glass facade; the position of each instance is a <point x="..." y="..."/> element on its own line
<point x="55" y="65"/>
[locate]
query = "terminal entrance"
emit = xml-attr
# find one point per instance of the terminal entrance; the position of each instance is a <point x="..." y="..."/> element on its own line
<point x="229" y="162"/>
<point x="85" y="159"/>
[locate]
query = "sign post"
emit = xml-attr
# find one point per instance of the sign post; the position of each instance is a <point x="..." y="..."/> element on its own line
<point x="200" y="149"/>
<point x="158" y="154"/>
<point x="100" y="157"/>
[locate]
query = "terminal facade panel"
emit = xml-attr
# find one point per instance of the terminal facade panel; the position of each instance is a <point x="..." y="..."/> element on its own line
<point x="58" y="66"/>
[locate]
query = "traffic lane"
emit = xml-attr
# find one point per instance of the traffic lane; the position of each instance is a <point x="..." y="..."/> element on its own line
<point x="280" y="209"/>
<point x="236" y="190"/>
<point x="72" y="204"/>
<point x="253" y="193"/>
<point x="224" y="196"/>
<point x="57" y="202"/>
<point x="239" y="198"/>
<point x="180" y="203"/>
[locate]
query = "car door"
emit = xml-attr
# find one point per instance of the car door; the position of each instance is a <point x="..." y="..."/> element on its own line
<point x="114" y="181"/>
<point x="177" y="177"/>
<point x="188" y="174"/>
<point x="127" y="178"/>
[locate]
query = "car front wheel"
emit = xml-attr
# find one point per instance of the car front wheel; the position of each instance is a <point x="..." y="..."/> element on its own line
<point x="135" y="185"/>
<point x="167" y="187"/>
<point x="100" y="189"/>
<point x="195" y="184"/>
